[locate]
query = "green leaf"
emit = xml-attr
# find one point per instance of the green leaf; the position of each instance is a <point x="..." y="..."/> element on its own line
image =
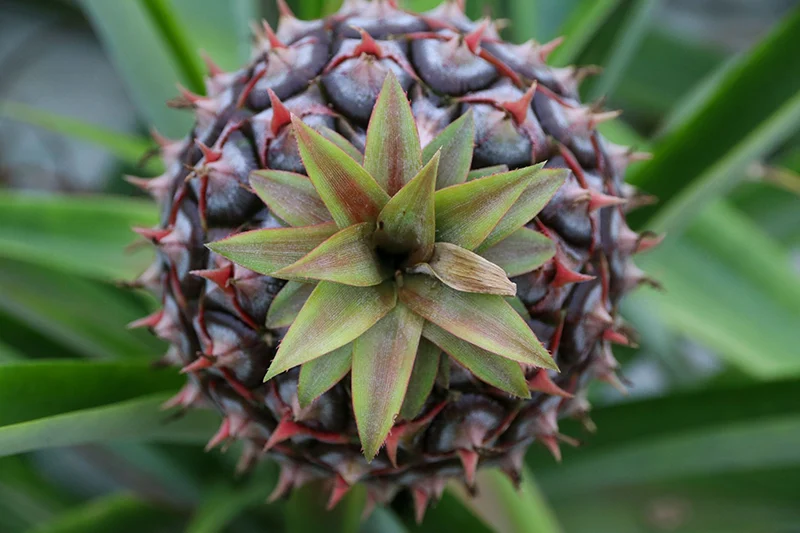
<point x="383" y="358"/>
<point x="137" y="420"/>
<point x="176" y="38"/>
<point x="142" y="59"/>
<point x="710" y="149"/>
<point x="490" y="368"/>
<point x="407" y="222"/>
<point x="392" y="154"/>
<point x="508" y="508"/>
<point x="319" y="375"/>
<point x="349" y="192"/>
<point x="268" y="250"/>
<point x="287" y="304"/>
<point x="347" y="147"/>
<point x="130" y="149"/>
<point x="84" y="235"/>
<point x="583" y="23"/>
<point x="532" y="200"/>
<point x="334" y="315"/>
<point x="347" y="257"/>
<point x="486" y="171"/>
<point x="120" y="513"/>
<point x="467" y="213"/>
<point x="80" y="314"/>
<point x="36" y="389"/>
<point x="487" y="321"/>
<point x="423" y="376"/>
<point x="466" y="271"/>
<point x="456" y="142"/>
<point x="292" y="197"/>
<point x="522" y="251"/>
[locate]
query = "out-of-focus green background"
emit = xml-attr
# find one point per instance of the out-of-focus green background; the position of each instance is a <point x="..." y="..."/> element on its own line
<point x="707" y="441"/>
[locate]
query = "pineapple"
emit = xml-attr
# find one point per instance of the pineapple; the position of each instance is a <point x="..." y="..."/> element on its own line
<point x="391" y="250"/>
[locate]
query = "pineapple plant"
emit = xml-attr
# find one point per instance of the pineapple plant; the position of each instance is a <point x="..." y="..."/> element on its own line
<point x="391" y="250"/>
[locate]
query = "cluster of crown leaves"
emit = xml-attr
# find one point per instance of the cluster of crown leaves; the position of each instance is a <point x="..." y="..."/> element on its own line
<point x="405" y="251"/>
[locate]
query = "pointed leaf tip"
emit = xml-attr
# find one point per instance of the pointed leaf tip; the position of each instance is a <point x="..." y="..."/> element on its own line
<point x="392" y="154"/>
<point x="291" y="197"/>
<point x="456" y="143"/>
<point x="466" y="271"/>
<point x="349" y="192"/>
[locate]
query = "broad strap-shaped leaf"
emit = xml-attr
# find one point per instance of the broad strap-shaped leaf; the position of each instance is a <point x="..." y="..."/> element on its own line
<point x="423" y="376"/>
<point x="467" y="213"/>
<point x="490" y="368"/>
<point x="486" y="320"/>
<point x="334" y="315"/>
<point x="532" y="200"/>
<point x="347" y="257"/>
<point x="466" y="271"/>
<point x="392" y="154"/>
<point x="486" y="171"/>
<point x="267" y="250"/>
<point x="407" y="223"/>
<point x="522" y="251"/>
<point x="292" y="197"/>
<point x="350" y="193"/>
<point x="383" y="358"/>
<point x="287" y="304"/>
<point x="519" y="307"/>
<point x="456" y="142"/>
<point x="319" y="375"/>
<point x="339" y="140"/>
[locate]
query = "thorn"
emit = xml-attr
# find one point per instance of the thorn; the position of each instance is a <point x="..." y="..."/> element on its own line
<point x="600" y="315"/>
<point x="340" y="488"/>
<point x="213" y="68"/>
<point x="393" y="441"/>
<point x="222" y="434"/>
<point x="284" y="10"/>
<point x="586" y="119"/>
<point x="473" y="39"/>
<point x="598" y="200"/>
<point x="152" y="234"/>
<point x="162" y="141"/>
<point x="201" y="363"/>
<point x="280" y="114"/>
<point x="188" y="395"/>
<point x="648" y="240"/>
<point x="541" y="382"/>
<point x="469" y="460"/>
<point x="286" y="480"/>
<point x="150" y="321"/>
<point x="274" y="42"/>
<point x="551" y="443"/>
<point x="367" y="45"/>
<point x="211" y="156"/>
<point x="519" y="108"/>
<point x="612" y="379"/>
<point x="616" y="337"/>
<point x="421" y="498"/>
<point x="251" y="84"/>
<point x="157" y="187"/>
<point x="547" y="48"/>
<point x="565" y="276"/>
<point x="221" y="277"/>
<point x="285" y="429"/>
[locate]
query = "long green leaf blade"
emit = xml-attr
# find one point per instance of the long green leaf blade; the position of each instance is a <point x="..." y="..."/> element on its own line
<point x="319" y="375"/>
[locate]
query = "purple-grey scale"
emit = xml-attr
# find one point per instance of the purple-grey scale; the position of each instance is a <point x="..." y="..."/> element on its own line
<point x="318" y="78"/>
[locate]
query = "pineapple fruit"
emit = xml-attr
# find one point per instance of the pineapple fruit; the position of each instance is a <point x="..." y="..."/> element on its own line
<point x="391" y="250"/>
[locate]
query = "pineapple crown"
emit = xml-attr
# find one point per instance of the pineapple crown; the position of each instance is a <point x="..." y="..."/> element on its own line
<point x="392" y="260"/>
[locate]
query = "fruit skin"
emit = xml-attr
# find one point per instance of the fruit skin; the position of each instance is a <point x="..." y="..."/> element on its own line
<point x="328" y="74"/>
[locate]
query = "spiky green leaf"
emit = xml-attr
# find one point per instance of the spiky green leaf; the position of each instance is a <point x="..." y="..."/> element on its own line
<point x="347" y="257"/>
<point x="319" y="375"/>
<point x="522" y="251"/>
<point x="486" y="171"/>
<point x="486" y="320"/>
<point x="541" y="189"/>
<point x="466" y="271"/>
<point x="339" y="140"/>
<point x="268" y="250"/>
<point x="287" y="304"/>
<point x="519" y="307"/>
<point x="497" y="371"/>
<point x="334" y="315"/>
<point x="467" y="213"/>
<point x="349" y="192"/>
<point x="456" y="142"/>
<point x="407" y="223"/>
<point x="383" y="358"/>
<point x="423" y="375"/>
<point x="292" y="197"/>
<point x="392" y="154"/>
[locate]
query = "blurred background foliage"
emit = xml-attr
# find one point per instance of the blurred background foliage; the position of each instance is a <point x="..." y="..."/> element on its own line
<point x="705" y="442"/>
